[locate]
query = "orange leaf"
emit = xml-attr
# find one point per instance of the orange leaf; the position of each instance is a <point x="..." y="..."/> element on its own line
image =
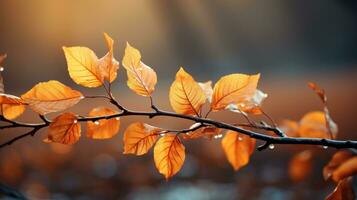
<point x="300" y="166"/>
<point x="108" y="65"/>
<point x="141" y="78"/>
<point x="290" y="128"/>
<point x="343" y="191"/>
<point x="51" y="96"/>
<point x="104" y="128"/>
<point x="64" y="129"/>
<point x="337" y="159"/>
<point x="313" y="125"/>
<point x="233" y="89"/>
<point x="208" y="132"/>
<point x="169" y="155"/>
<point x="186" y="96"/>
<point x="238" y="148"/>
<point x="139" y="138"/>
<point x="347" y="168"/>
<point x="319" y="91"/>
<point x="11" y="106"/>
<point x="330" y="124"/>
<point x="83" y="66"/>
<point x="11" y="111"/>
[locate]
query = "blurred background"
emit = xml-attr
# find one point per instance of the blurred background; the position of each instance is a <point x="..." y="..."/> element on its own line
<point x="289" y="42"/>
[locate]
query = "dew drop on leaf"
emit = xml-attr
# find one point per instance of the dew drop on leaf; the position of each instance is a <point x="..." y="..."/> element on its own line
<point x="117" y="118"/>
<point x="240" y="138"/>
<point x="162" y="134"/>
<point x="325" y="147"/>
<point x="96" y="122"/>
<point x="1" y="69"/>
<point x="75" y="121"/>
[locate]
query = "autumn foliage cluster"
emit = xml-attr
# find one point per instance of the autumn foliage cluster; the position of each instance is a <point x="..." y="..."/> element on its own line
<point x="235" y="92"/>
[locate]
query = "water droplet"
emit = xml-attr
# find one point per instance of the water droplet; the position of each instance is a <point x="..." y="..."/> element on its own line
<point x="325" y="147"/>
<point x="1" y="69"/>
<point x="162" y="134"/>
<point x="96" y="122"/>
<point x="75" y="121"/>
<point x="240" y="138"/>
<point x="117" y="118"/>
<point x="271" y="146"/>
<point x="217" y="136"/>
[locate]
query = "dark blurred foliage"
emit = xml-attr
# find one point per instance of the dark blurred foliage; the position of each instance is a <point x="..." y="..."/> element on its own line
<point x="289" y="42"/>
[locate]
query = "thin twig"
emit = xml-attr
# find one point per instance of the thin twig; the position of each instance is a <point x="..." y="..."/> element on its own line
<point x="339" y="144"/>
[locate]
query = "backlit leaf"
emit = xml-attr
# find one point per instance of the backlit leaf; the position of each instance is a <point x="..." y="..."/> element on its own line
<point x="108" y="65"/>
<point x="64" y="129"/>
<point x="141" y="78"/>
<point x="343" y="191"/>
<point x="51" y="96"/>
<point x="233" y="89"/>
<point x="290" y="128"/>
<point x="313" y="125"/>
<point x="300" y="166"/>
<point x="169" y="155"/>
<point x="11" y="106"/>
<point x="83" y="66"/>
<point x="186" y="96"/>
<point x="238" y="148"/>
<point x="11" y="111"/>
<point x="330" y="124"/>
<point x="139" y="138"/>
<point x="104" y="128"/>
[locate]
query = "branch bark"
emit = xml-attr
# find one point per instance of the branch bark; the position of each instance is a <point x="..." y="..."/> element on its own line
<point x="280" y="139"/>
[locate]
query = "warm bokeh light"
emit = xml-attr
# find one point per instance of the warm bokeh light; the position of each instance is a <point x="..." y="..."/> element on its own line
<point x="288" y="42"/>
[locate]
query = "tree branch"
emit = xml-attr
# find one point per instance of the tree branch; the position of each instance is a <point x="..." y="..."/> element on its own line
<point x="339" y="144"/>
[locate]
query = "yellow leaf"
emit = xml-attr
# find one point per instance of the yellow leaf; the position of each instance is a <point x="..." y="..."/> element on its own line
<point x="11" y="111"/>
<point x="83" y="66"/>
<point x="104" y="128"/>
<point x="108" y="65"/>
<point x="11" y="106"/>
<point x="238" y="148"/>
<point x="300" y="166"/>
<point x="132" y="57"/>
<point x="186" y="96"/>
<point x="51" y="96"/>
<point x="64" y="129"/>
<point x="313" y="125"/>
<point x="139" y="138"/>
<point x="169" y="155"/>
<point x="141" y="78"/>
<point x="233" y="89"/>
